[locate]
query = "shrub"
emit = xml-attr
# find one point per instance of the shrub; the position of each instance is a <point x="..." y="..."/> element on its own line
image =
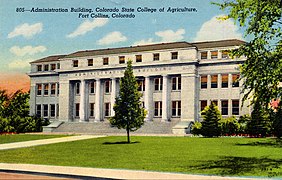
<point x="229" y="126"/>
<point x="5" y="126"/>
<point x="196" y="128"/>
<point x="243" y="121"/>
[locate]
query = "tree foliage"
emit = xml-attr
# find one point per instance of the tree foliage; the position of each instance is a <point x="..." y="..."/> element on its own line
<point x="262" y="71"/>
<point x="129" y="113"/>
<point x="229" y="126"/>
<point x="277" y="122"/>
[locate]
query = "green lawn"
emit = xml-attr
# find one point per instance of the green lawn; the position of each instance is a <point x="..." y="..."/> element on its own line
<point x="24" y="137"/>
<point x="218" y="156"/>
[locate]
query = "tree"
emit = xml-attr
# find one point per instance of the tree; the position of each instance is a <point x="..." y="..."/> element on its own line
<point x="262" y="71"/>
<point x="129" y="113"/>
<point x="277" y="123"/>
<point x="229" y="126"/>
<point x="210" y="124"/>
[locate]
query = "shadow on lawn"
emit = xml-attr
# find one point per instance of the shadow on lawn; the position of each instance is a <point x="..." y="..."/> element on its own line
<point x="120" y="142"/>
<point x="277" y="143"/>
<point x="228" y="165"/>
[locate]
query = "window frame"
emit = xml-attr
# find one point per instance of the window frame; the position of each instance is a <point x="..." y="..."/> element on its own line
<point x="236" y="109"/>
<point x="92" y="88"/>
<point x="53" y="89"/>
<point x="158" y="109"/>
<point x="53" y="67"/>
<point x="235" y="83"/>
<point x="141" y="85"/>
<point x="46" y="65"/>
<point x="214" y="54"/>
<point x="121" y="59"/>
<point x="224" y="109"/>
<point x="39" y="89"/>
<point x="75" y="63"/>
<point x="107" y="111"/>
<point x="52" y="111"/>
<point x="45" y="110"/>
<point x="176" y="83"/>
<point x="46" y="90"/>
<point x="77" y="88"/>
<point x="158" y="82"/>
<point x="39" y="68"/>
<point x="90" y="62"/>
<point x="156" y="56"/>
<point x="213" y="84"/>
<point x="77" y="110"/>
<point x="224" y="84"/>
<point x="176" y="110"/>
<point x="204" y="53"/>
<point x="38" y="110"/>
<point x="174" y="55"/>
<point x="138" y="58"/>
<point x="204" y="85"/>
<point x="105" y="60"/>
<point x="107" y="85"/>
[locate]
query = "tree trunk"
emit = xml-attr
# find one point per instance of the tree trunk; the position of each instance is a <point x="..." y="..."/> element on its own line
<point x="128" y="137"/>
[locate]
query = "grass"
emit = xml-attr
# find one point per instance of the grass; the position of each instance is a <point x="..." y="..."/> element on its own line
<point x="216" y="156"/>
<point x="10" y="138"/>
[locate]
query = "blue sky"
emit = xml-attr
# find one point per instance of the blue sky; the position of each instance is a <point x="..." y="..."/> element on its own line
<point x="27" y="36"/>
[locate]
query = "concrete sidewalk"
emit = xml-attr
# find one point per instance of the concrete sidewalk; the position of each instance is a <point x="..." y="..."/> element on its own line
<point x="89" y="173"/>
<point x="45" y="141"/>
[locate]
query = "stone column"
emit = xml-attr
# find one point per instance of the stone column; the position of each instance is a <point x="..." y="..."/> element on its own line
<point x="82" y="108"/>
<point x="66" y="100"/>
<point x="98" y="107"/>
<point x="165" y="103"/>
<point x="148" y="99"/>
<point x="113" y="96"/>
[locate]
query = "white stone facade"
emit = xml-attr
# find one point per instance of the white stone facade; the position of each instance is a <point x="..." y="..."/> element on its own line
<point x="176" y="80"/>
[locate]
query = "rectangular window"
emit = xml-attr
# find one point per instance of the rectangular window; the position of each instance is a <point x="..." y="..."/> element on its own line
<point x="92" y="105"/>
<point x="176" y="83"/>
<point x="39" y="89"/>
<point x="141" y="84"/>
<point x="75" y="63"/>
<point x="214" y="54"/>
<point x="176" y="108"/>
<point x="215" y="102"/>
<point x="46" y="67"/>
<point x="204" y="103"/>
<point x="224" y="107"/>
<point x="156" y="56"/>
<point x="39" y="68"/>
<point x="58" y="88"/>
<point x="92" y="87"/>
<point x="105" y="61"/>
<point x="174" y="55"/>
<point x="52" y="110"/>
<point x="158" y="109"/>
<point x="107" y="86"/>
<point x="235" y="80"/>
<point x="204" y="55"/>
<point x="138" y="58"/>
<point x="107" y="109"/>
<point x="77" y="88"/>
<point x="38" y="110"/>
<point x="224" y="80"/>
<point x="53" y="67"/>
<point x="225" y="54"/>
<point x="235" y="107"/>
<point x="53" y="89"/>
<point x="46" y="89"/>
<point x="45" y="110"/>
<point x="214" y="79"/>
<point x="204" y="82"/>
<point x="90" y="62"/>
<point x="58" y="66"/>
<point x="77" y="110"/>
<point x="158" y="84"/>
<point x="121" y="59"/>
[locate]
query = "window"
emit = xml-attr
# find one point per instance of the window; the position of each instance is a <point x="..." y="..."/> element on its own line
<point x="204" y="103"/>
<point x="57" y="110"/>
<point x="52" y="110"/>
<point x="38" y="110"/>
<point x="77" y="88"/>
<point x="77" y="110"/>
<point x="92" y="87"/>
<point x="156" y="56"/>
<point x="107" y="86"/>
<point x="235" y="80"/>
<point x="53" y="67"/>
<point x="235" y="107"/>
<point x="215" y="102"/>
<point x="46" y="67"/>
<point x="46" y="89"/>
<point x="45" y="110"/>
<point x="158" y="84"/>
<point x="121" y="59"/>
<point x="105" y="61"/>
<point x="214" y="81"/>
<point x="141" y="84"/>
<point x="138" y="58"/>
<point x="58" y="88"/>
<point x="176" y="108"/>
<point x="158" y="109"/>
<point x="58" y="66"/>
<point x="107" y="109"/>
<point x="53" y="89"/>
<point x="224" y="107"/>
<point x="39" y="67"/>
<point x="39" y="89"/>
<point x="224" y="80"/>
<point x="204" y="82"/>
<point x="75" y="63"/>
<point x="214" y="54"/>
<point x="92" y="109"/>
<point x="174" y="55"/>
<point x="225" y="55"/>
<point x="90" y="62"/>
<point x="204" y="55"/>
<point x="176" y="83"/>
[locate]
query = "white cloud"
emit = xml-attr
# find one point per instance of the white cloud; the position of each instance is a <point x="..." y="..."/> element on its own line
<point x="217" y="29"/>
<point x="144" y="42"/>
<point x="26" y="30"/>
<point x="19" y="64"/>
<point x="170" y="35"/>
<point x="111" y="38"/>
<point x="27" y="50"/>
<point x="87" y="26"/>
